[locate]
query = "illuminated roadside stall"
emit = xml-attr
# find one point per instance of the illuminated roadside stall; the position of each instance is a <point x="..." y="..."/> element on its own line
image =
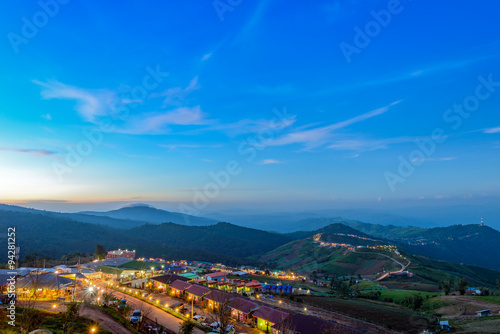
<point x="47" y="285"/>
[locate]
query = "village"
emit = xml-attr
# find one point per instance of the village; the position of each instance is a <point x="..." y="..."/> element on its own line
<point x="216" y="298"/>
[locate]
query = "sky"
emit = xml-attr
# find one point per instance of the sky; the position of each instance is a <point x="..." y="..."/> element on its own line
<point x="270" y="102"/>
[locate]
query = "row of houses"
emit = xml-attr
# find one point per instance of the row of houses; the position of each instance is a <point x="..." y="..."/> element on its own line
<point x="242" y="309"/>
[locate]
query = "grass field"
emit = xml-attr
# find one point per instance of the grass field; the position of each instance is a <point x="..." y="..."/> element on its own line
<point x="489" y="299"/>
<point x="399" y="295"/>
<point x="399" y="318"/>
<point x="476" y="325"/>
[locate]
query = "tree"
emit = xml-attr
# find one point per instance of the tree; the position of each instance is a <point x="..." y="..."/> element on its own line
<point x="100" y="252"/>
<point x="447" y="286"/>
<point x="187" y="327"/>
<point x="221" y="309"/>
<point x="498" y="284"/>
<point x="69" y="317"/>
<point x="414" y="302"/>
<point x="462" y="286"/>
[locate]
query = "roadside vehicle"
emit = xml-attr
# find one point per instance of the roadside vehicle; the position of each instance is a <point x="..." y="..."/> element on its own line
<point x="136" y="317"/>
<point x="199" y="318"/>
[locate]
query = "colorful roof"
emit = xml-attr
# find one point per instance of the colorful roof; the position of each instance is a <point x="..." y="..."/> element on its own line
<point x="218" y="274"/>
<point x="218" y="296"/>
<point x="109" y="270"/>
<point x="44" y="281"/>
<point x="136" y="265"/>
<point x="197" y="290"/>
<point x="270" y="315"/>
<point x="243" y="305"/>
<point x="189" y="275"/>
<point x="180" y="285"/>
<point x="253" y="285"/>
<point x="169" y="278"/>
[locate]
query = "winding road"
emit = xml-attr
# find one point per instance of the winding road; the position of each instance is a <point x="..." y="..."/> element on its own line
<point x="163" y="318"/>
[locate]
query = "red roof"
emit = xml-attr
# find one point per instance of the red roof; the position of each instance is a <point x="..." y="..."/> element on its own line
<point x="253" y="285"/>
<point x="169" y="278"/>
<point x="180" y="285"/>
<point x="218" y="296"/>
<point x="197" y="290"/>
<point x="211" y="282"/>
<point x="242" y="305"/>
<point x="219" y="274"/>
<point x="270" y="315"/>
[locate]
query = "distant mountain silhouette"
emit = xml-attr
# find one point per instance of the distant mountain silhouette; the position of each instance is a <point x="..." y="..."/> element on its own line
<point x="146" y="213"/>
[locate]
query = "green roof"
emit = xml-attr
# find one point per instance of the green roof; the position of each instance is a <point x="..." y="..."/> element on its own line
<point x="109" y="270"/>
<point x="189" y="275"/>
<point x="137" y="265"/>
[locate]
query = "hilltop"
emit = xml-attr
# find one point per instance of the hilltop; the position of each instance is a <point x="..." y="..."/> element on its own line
<point x="56" y="236"/>
<point x="317" y="257"/>
<point x="146" y="213"/>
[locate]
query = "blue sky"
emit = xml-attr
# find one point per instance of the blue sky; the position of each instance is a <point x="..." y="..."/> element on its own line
<point x="186" y="88"/>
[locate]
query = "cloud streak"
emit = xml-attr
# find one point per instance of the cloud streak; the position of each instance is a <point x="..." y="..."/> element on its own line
<point x="90" y="104"/>
<point x="319" y="136"/>
<point x="492" y="130"/>
<point x="38" y="152"/>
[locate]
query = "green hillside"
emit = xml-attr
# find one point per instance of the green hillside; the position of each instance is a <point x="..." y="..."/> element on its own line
<point x="222" y="238"/>
<point x="306" y="256"/>
<point x="459" y="243"/>
<point x="469" y="244"/>
<point x="54" y="237"/>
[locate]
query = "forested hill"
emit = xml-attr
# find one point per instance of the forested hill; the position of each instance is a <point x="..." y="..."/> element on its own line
<point x="54" y="237"/>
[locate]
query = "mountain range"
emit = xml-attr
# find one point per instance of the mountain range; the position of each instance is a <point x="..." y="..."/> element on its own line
<point x="160" y="233"/>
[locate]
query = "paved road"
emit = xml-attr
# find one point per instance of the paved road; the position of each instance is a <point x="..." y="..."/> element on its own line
<point x="403" y="267"/>
<point x="165" y="319"/>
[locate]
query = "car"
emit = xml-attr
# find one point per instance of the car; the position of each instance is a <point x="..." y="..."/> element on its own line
<point x="199" y="318"/>
<point x="215" y="326"/>
<point x="183" y="310"/>
<point x="136" y="317"/>
<point x="230" y="329"/>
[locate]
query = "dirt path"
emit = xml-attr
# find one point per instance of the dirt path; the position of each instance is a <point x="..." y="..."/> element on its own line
<point x="104" y="320"/>
<point x="465" y="306"/>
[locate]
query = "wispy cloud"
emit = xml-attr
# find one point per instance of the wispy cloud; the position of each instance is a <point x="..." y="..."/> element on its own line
<point x="47" y="117"/>
<point x="192" y="146"/>
<point x="270" y="162"/>
<point x="206" y="56"/>
<point x="29" y="151"/>
<point x="176" y="96"/>
<point x="158" y="122"/>
<point x="435" y="159"/>
<point x="91" y="103"/>
<point x="492" y="130"/>
<point x="318" y="136"/>
<point x="407" y="75"/>
<point x="249" y="126"/>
